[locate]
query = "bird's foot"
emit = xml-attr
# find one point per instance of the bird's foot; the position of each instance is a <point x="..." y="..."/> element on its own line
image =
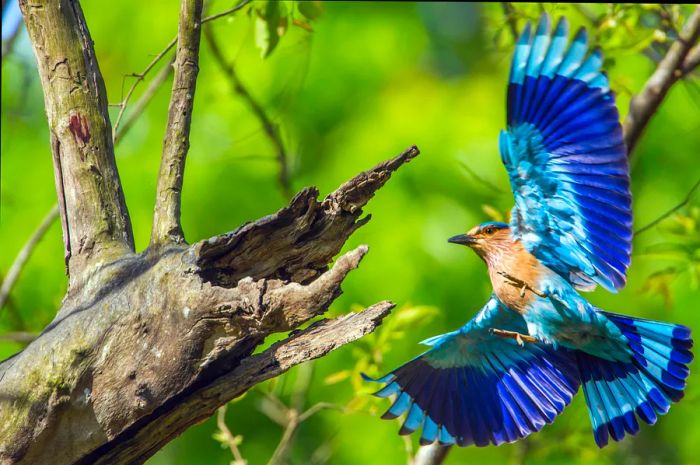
<point x="522" y="285"/>
<point x="521" y="339"/>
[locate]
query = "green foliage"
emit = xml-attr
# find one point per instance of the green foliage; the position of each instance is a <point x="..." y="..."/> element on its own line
<point x="272" y="18"/>
<point x="369" y="81"/>
<point x="681" y="247"/>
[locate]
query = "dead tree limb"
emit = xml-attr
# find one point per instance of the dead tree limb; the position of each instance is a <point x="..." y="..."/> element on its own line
<point x="155" y="342"/>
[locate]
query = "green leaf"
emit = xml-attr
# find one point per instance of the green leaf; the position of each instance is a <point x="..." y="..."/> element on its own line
<point x="267" y="27"/>
<point x="310" y="10"/>
<point x="337" y="377"/>
<point x="409" y="316"/>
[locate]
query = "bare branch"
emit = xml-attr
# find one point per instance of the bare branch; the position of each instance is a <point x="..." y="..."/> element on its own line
<point x="294" y="420"/>
<point x="166" y="217"/>
<point x="309" y="344"/>
<point x="510" y="14"/>
<point x="491" y="186"/>
<point x="670" y="69"/>
<point x="692" y="60"/>
<point x="143" y="101"/>
<point x="226" y="12"/>
<point x="229" y="439"/>
<point x="142" y="75"/>
<point x="668" y="213"/>
<point x="139" y="77"/>
<point x="24" y="254"/>
<point x="290" y="235"/>
<point x="156" y="342"/>
<point x="94" y="216"/>
<point x="270" y="128"/>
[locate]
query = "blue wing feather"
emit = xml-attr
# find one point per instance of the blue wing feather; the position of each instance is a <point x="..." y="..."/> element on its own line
<point x="567" y="160"/>
<point x="472" y="387"/>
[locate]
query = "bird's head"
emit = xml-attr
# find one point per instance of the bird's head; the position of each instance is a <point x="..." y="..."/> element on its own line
<point x="489" y="240"/>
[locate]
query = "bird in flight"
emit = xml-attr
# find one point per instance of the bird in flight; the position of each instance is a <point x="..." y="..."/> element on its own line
<point x="517" y="364"/>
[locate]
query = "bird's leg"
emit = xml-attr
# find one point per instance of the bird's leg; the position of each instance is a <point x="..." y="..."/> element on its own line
<point x="517" y="282"/>
<point x="519" y="338"/>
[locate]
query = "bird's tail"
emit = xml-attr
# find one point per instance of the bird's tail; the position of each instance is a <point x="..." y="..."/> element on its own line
<point x="645" y="385"/>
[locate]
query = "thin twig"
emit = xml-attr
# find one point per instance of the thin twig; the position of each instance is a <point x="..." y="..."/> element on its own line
<point x="670" y="69"/>
<point x="483" y="181"/>
<point x="668" y="213"/>
<point x="176" y="143"/>
<point x="142" y="102"/>
<point x="294" y="421"/>
<point x="270" y="128"/>
<point x="18" y="265"/>
<point x="225" y="12"/>
<point x="509" y="12"/>
<point x="228" y="438"/>
<point x="140" y="76"/>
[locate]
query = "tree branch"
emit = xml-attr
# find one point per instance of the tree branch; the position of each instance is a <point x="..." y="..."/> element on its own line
<point x="270" y="128"/>
<point x="309" y="344"/>
<point x="94" y="216"/>
<point x="692" y="60"/>
<point x="511" y="18"/>
<point x="668" y="213"/>
<point x="670" y="69"/>
<point x="166" y="217"/>
<point x="143" y="101"/>
<point x="289" y="233"/>
<point x="154" y="343"/>
<point x="139" y="78"/>
<point x="24" y="254"/>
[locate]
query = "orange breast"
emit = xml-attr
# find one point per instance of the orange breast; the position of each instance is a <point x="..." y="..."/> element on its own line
<point x="520" y="264"/>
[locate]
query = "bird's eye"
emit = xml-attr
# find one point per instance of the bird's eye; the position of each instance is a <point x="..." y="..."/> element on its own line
<point x="489" y="230"/>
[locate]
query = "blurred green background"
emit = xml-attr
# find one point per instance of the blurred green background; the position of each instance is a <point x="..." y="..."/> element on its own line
<point x="369" y="80"/>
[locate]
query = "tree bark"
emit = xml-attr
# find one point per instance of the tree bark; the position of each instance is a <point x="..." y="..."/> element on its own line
<point x="155" y="342"/>
<point x="166" y="216"/>
<point x="96" y="225"/>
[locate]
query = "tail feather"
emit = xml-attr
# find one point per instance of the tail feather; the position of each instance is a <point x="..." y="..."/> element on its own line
<point x="644" y="386"/>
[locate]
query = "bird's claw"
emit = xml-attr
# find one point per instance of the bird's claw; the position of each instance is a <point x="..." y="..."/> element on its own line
<point x="517" y="282"/>
<point x="521" y="339"/>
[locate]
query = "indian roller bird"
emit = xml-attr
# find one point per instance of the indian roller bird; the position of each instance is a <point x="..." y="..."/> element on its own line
<point x="517" y="364"/>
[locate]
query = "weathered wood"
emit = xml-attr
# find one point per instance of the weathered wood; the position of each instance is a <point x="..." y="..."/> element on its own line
<point x="153" y="343"/>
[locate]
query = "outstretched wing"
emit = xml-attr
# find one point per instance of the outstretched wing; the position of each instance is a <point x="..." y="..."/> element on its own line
<point x="566" y="159"/>
<point x="473" y="387"/>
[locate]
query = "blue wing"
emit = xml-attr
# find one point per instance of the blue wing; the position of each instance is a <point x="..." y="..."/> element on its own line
<point x="567" y="160"/>
<point x="473" y="387"/>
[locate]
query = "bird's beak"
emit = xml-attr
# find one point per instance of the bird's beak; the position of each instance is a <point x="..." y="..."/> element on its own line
<point x="462" y="239"/>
